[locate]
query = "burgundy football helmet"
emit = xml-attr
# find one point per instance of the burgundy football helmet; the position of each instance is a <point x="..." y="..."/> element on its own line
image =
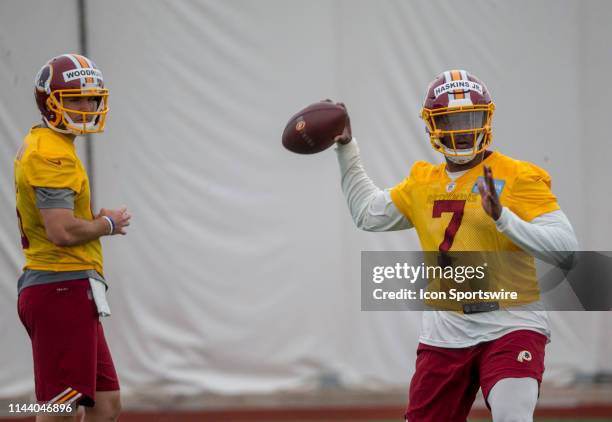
<point x="458" y="112"/>
<point x="70" y="76"/>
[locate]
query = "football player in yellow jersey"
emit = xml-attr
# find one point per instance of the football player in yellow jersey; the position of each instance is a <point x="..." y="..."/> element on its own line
<point x="477" y="200"/>
<point x="62" y="288"/>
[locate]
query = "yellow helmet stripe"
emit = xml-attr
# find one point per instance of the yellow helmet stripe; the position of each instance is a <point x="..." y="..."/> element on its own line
<point x="456" y="76"/>
<point x="84" y="64"/>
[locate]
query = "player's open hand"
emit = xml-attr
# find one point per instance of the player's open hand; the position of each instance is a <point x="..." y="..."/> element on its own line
<point x="121" y="219"/>
<point x="490" y="200"/>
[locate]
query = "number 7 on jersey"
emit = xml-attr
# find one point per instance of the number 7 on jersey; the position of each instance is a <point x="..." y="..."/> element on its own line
<point x="456" y="207"/>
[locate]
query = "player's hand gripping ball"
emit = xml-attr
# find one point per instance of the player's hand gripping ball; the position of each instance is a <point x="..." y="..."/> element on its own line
<point x="314" y="128"/>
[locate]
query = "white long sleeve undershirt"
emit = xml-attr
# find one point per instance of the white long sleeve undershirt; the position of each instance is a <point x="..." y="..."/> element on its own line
<point x="373" y="210"/>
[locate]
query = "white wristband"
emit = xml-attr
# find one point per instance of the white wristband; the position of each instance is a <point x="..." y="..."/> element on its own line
<point x="111" y="225"/>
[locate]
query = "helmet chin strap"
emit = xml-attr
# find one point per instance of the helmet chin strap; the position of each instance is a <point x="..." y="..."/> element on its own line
<point x="55" y="128"/>
<point x="460" y="159"/>
<point x="89" y="126"/>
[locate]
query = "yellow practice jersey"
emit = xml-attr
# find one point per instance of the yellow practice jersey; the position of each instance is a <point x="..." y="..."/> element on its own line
<point x="448" y="215"/>
<point x="48" y="159"/>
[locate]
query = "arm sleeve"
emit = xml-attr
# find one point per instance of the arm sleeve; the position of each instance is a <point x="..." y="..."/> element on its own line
<point x="58" y="172"/>
<point x="54" y="198"/>
<point x="549" y="237"/>
<point x="531" y="194"/>
<point x="371" y="208"/>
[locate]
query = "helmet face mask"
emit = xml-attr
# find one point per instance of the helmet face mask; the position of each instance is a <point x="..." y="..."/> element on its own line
<point x="68" y="79"/>
<point x="458" y="112"/>
<point x="79" y="121"/>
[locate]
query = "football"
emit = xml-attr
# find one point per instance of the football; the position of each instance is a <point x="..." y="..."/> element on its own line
<point x="314" y="128"/>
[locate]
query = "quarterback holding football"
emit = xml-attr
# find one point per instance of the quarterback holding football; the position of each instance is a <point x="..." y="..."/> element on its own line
<point x="498" y="349"/>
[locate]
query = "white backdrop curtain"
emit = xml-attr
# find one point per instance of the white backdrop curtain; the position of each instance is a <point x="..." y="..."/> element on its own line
<point x="240" y="272"/>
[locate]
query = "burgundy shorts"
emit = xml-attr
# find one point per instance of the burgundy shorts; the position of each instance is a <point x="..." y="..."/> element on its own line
<point x="71" y="358"/>
<point x="446" y="380"/>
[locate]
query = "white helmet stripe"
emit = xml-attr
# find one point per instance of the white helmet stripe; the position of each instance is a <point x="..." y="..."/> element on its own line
<point x="77" y="64"/>
<point x="85" y="59"/>
<point x="448" y="78"/>
<point x="89" y="62"/>
<point x="73" y="59"/>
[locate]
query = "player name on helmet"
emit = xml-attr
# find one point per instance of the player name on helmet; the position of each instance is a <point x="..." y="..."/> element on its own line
<point x="461" y="85"/>
<point x="71" y="75"/>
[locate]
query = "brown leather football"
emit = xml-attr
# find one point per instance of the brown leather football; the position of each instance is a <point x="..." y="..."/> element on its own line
<point x="314" y="128"/>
